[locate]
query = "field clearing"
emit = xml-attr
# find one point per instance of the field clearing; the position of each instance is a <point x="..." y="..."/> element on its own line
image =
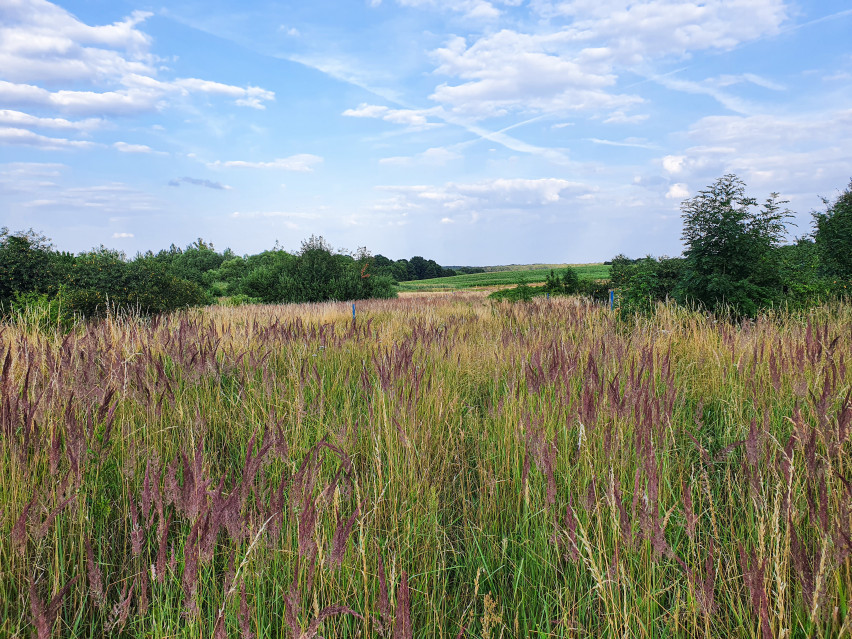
<point x="501" y="278"/>
<point x="442" y="467"/>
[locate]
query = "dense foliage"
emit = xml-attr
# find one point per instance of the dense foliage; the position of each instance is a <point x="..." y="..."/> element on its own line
<point x="833" y="236"/>
<point x="735" y="262"/>
<point x="417" y="268"/>
<point x="96" y="282"/>
<point x="730" y="261"/>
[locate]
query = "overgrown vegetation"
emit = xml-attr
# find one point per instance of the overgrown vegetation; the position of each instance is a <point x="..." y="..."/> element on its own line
<point x="103" y="281"/>
<point x="734" y="262"/>
<point x="443" y="467"/>
<point x="568" y="282"/>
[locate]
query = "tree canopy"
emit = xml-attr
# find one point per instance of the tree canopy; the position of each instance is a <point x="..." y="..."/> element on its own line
<point x="729" y="258"/>
<point x="833" y="235"/>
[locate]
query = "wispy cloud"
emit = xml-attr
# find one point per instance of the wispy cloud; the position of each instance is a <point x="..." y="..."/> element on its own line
<point x="25" y="137"/>
<point x="414" y="119"/>
<point x="301" y="162"/>
<point x="124" y="147"/>
<point x="42" y="43"/>
<point x="200" y="182"/>
<point x="25" y="120"/>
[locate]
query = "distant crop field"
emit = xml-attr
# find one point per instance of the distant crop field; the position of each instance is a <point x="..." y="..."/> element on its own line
<point x="503" y="278"/>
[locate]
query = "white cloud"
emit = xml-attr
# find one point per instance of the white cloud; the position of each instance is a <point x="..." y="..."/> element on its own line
<point x="437" y="156"/>
<point x="801" y="156"/>
<point x="415" y="119"/>
<point x="29" y="177"/>
<point x="20" y="119"/>
<point x="476" y="9"/>
<point x="619" y="117"/>
<point x="115" y="198"/>
<point x="44" y="49"/>
<point x="635" y="143"/>
<point x="253" y="97"/>
<point x="576" y="67"/>
<point x="752" y="78"/>
<point x="775" y="131"/>
<point x="300" y="162"/>
<point x="124" y="147"/>
<point x="24" y="137"/>
<point x="122" y="236"/>
<point x="506" y="194"/>
<point x="263" y="214"/>
<point x="518" y="190"/>
<point x="42" y="42"/>
<point x="638" y="31"/>
<point x="678" y="192"/>
<point x="511" y="71"/>
<point x="674" y="164"/>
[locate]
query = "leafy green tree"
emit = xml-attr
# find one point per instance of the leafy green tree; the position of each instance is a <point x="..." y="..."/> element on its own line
<point x="195" y="261"/>
<point x="552" y="284"/>
<point x="730" y="259"/>
<point x="570" y="281"/>
<point x="154" y="289"/>
<point x="262" y="283"/>
<point x="620" y="271"/>
<point x="644" y="282"/>
<point x="833" y="236"/>
<point x="27" y="264"/>
<point x="798" y="268"/>
<point x="315" y="275"/>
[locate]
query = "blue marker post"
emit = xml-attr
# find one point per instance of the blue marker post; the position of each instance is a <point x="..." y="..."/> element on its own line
<point x="548" y="295"/>
<point x="353" y="312"/>
<point x="611" y="299"/>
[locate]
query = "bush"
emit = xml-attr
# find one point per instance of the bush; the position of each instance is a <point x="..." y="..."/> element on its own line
<point x="644" y="282"/>
<point x="42" y="313"/>
<point x="262" y="283"/>
<point x="571" y="282"/>
<point x="833" y="237"/>
<point x="730" y="258"/>
<point x="521" y="293"/>
<point x="27" y="265"/>
<point x="598" y="290"/>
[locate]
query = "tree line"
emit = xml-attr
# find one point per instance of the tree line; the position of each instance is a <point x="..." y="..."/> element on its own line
<point x="92" y="283"/>
<point x="735" y="260"/>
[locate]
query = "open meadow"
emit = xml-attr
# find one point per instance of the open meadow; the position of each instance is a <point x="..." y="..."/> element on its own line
<point x="501" y="278"/>
<point x="443" y="466"/>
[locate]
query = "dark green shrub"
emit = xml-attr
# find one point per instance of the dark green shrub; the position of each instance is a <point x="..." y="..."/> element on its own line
<point x="730" y="258"/>
<point x="571" y="284"/>
<point x="641" y="283"/>
<point x="833" y="238"/>
<point x="40" y="312"/>
<point x="262" y="283"/>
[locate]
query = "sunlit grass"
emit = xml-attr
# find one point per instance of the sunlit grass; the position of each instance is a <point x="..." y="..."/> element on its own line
<point x="442" y="465"/>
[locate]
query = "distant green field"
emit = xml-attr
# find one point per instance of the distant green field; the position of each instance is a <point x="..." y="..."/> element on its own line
<point x="503" y="278"/>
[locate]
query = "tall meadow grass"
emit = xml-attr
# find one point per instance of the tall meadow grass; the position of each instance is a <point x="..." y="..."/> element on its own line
<point x="440" y="467"/>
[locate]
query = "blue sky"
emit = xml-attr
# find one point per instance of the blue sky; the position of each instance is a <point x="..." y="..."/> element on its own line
<point x="470" y="132"/>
